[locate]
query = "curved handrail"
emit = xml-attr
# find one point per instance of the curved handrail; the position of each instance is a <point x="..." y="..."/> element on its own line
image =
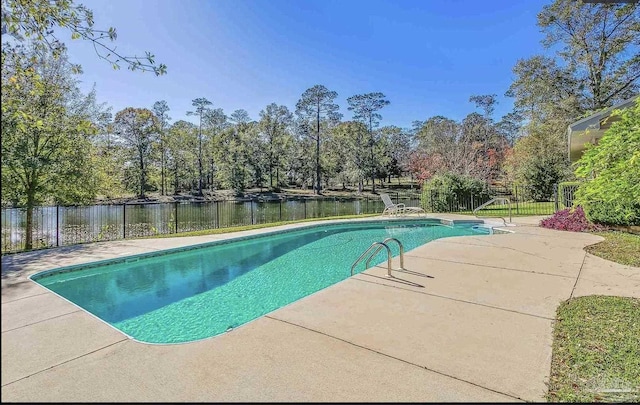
<point x="374" y="244"/>
<point x="401" y="252"/>
<point x="492" y="201"/>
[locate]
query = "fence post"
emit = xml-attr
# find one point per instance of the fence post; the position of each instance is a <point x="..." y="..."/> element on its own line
<point x="304" y="200"/>
<point x="472" y="207"/>
<point x="280" y="210"/>
<point x="57" y="225"/>
<point x="367" y="211"/>
<point x="431" y="198"/>
<point x="335" y="206"/>
<point x="252" y="212"/>
<point x="175" y="203"/>
<point x="555" y="195"/>
<point x="517" y="206"/>
<point x="217" y="214"/>
<point x="124" y="220"/>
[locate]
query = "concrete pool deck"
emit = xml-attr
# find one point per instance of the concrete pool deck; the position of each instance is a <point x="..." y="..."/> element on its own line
<point x="469" y="320"/>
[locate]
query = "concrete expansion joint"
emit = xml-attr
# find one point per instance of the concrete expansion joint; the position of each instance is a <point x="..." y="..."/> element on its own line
<point x="23" y="298"/>
<point x="43" y="320"/>
<point x="454" y="299"/>
<point x="396" y="358"/>
<point x="489" y="266"/>
<point x="584" y="259"/>
<point x="64" y="362"/>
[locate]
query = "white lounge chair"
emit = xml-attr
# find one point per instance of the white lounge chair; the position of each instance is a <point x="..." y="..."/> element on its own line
<point x="398" y="209"/>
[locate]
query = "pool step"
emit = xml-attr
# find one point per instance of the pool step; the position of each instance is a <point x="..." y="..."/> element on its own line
<point x="483" y="229"/>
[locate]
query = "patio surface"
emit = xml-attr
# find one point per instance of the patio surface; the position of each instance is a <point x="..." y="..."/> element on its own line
<point x="470" y="320"/>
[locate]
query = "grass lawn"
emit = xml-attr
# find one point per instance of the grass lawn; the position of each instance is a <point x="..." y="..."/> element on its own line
<point x="520" y="209"/>
<point x="256" y="226"/>
<point x="596" y="351"/>
<point x="619" y="247"/>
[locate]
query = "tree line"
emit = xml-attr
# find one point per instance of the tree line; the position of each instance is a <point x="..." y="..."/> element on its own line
<point x="62" y="146"/>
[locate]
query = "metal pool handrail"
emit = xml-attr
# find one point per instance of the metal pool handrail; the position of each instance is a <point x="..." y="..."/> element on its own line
<point x="373" y="245"/>
<point x="492" y="201"/>
<point x="371" y="256"/>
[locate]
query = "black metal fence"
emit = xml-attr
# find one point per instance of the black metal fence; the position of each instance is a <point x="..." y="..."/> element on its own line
<point x="71" y="225"/>
<point x="521" y="199"/>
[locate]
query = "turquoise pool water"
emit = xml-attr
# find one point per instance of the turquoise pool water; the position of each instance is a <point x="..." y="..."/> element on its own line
<point x="184" y="295"/>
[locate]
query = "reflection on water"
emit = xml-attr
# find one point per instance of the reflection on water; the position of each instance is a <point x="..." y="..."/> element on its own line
<point x="59" y="226"/>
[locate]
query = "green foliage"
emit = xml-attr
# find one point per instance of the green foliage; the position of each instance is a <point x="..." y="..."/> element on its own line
<point x="592" y="69"/>
<point x="47" y="154"/>
<point x="46" y="133"/>
<point x="365" y="109"/>
<point x="316" y="111"/>
<point x="346" y="155"/>
<point x="138" y="128"/>
<point x="444" y="191"/>
<point x="275" y="128"/>
<point x="539" y="159"/>
<point x="182" y="163"/>
<point x="541" y="173"/>
<point x="599" y="50"/>
<point x="613" y="195"/>
<point x="35" y="20"/>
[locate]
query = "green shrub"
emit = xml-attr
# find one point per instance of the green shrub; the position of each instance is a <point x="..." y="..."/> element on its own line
<point x="541" y="173"/>
<point x="613" y="195"/>
<point x="451" y="192"/>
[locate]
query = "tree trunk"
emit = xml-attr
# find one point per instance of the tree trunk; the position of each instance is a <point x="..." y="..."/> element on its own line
<point x="200" y="158"/>
<point x="212" y="170"/>
<point x="162" y="180"/>
<point x="142" y="175"/>
<point x="175" y="180"/>
<point x="318" y="154"/>
<point x="373" y="174"/>
<point x="29" y="225"/>
<point x="270" y="175"/>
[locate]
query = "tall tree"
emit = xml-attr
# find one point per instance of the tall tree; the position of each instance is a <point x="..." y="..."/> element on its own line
<point x="182" y="143"/>
<point x="347" y="141"/>
<point x="599" y="44"/>
<point x="493" y="143"/>
<point x="46" y="134"/>
<point x="487" y="103"/>
<point x="399" y="147"/>
<point x="365" y="109"/>
<point x="316" y="106"/>
<point x="275" y="122"/>
<point x="138" y="128"/>
<point x="201" y="110"/>
<point x="229" y="149"/>
<point x="596" y="65"/>
<point x="160" y="109"/>
<point x="510" y="127"/>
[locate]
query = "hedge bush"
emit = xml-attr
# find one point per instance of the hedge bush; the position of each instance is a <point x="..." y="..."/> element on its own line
<point x="444" y="192"/>
<point x="613" y="195"/>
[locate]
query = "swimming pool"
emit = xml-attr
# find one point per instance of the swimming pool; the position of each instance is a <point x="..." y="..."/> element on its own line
<point x="187" y="294"/>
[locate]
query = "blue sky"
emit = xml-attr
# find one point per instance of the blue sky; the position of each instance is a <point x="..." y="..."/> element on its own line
<point x="426" y="56"/>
